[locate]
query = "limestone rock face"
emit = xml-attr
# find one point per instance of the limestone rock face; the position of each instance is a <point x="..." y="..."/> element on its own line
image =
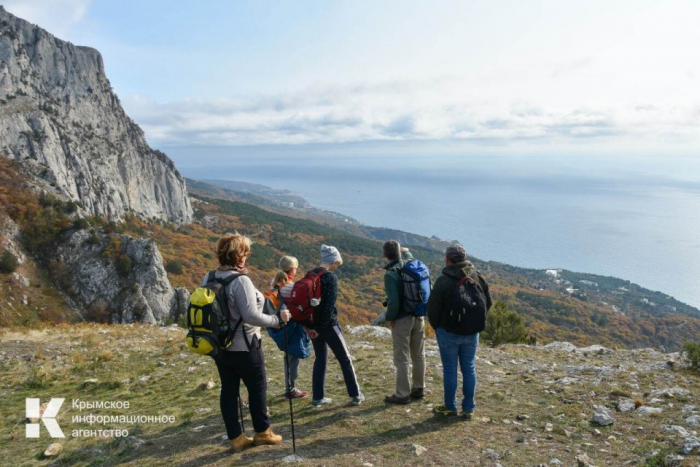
<point x="120" y="277"/>
<point x="9" y="238"/>
<point x="61" y="119"/>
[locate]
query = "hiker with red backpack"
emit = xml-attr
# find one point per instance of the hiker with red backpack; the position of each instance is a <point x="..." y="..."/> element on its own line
<point x="407" y="286"/>
<point x="319" y="289"/>
<point x="293" y="340"/>
<point x="457" y="310"/>
<point x="243" y="359"/>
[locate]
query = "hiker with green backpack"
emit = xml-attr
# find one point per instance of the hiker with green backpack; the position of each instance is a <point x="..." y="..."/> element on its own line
<point x="242" y="358"/>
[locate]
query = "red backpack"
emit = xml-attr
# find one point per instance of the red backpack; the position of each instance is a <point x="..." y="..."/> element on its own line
<point x="305" y="296"/>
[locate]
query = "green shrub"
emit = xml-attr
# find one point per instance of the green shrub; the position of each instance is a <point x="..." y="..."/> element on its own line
<point x="81" y="223"/>
<point x="8" y="262"/>
<point x="93" y="239"/>
<point x="123" y="264"/>
<point x="173" y="266"/>
<point x="504" y="326"/>
<point x="691" y="351"/>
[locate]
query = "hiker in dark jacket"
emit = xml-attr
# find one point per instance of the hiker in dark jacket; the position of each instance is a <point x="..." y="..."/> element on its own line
<point x="325" y="332"/>
<point x="407" y="330"/>
<point x="455" y="348"/>
<point x="244" y="359"/>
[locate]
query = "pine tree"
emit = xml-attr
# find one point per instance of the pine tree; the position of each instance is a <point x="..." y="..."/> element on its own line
<point x="504" y="326"/>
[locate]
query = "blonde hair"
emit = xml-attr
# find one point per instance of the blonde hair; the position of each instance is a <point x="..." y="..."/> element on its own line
<point x="287" y="263"/>
<point x="231" y="248"/>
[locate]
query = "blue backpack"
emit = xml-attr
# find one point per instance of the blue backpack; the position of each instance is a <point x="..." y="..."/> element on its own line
<point x="298" y="342"/>
<point x="415" y="287"/>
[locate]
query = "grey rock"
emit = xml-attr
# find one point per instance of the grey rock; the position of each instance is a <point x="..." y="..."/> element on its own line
<point x="63" y="119"/>
<point x="556" y="462"/>
<point x="603" y="416"/>
<point x="675" y="429"/>
<point x="370" y="331"/>
<point x="18" y="278"/>
<point x="143" y="294"/>
<point x="135" y="442"/>
<point x="691" y="444"/>
<point x="560" y="346"/>
<point x="626" y="405"/>
<point x="593" y="349"/>
<point x="645" y="410"/>
<point x="693" y="420"/>
<point x="668" y="392"/>
<point x="582" y="460"/>
<point x="674" y="460"/>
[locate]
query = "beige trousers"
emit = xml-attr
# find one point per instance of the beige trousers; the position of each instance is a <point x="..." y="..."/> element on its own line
<point x="408" y="335"/>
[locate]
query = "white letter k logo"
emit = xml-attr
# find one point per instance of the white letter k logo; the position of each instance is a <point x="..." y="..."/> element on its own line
<point x="48" y="417"/>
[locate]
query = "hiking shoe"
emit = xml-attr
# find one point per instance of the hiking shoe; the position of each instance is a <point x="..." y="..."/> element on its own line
<point x="266" y="437"/>
<point x="394" y="399"/>
<point x="240" y="443"/>
<point x="296" y="394"/>
<point x="442" y="410"/>
<point x="466" y="416"/>
<point x="320" y="402"/>
<point x="418" y="393"/>
<point x="357" y="400"/>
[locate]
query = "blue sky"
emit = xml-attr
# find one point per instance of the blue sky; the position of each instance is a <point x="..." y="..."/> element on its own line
<point x="509" y="76"/>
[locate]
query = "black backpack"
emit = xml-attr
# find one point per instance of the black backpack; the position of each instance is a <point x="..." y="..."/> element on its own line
<point x="467" y="307"/>
<point x="208" y="317"/>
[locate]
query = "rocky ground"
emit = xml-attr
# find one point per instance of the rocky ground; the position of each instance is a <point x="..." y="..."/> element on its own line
<point x="550" y="405"/>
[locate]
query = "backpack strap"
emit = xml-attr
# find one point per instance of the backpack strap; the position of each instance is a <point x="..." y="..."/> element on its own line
<point x="224" y="283"/>
<point x="399" y="267"/>
<point x="211" y="277"/>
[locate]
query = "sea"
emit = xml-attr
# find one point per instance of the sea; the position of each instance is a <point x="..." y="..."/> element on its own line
<point x="636" y="217"/>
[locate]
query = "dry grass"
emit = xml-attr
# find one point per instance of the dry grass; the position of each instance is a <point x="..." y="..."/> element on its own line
<point x="150" y="368"/>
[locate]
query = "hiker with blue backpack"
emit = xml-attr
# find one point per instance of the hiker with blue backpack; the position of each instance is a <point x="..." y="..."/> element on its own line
<point x="407" y="286"/>
<point x="297" y="345"/>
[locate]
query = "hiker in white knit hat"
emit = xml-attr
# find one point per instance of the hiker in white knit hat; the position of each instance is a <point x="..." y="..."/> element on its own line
<point x="325" y="332"/>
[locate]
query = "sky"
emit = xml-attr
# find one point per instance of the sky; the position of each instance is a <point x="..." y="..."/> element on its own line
<point x="509" y="76"/>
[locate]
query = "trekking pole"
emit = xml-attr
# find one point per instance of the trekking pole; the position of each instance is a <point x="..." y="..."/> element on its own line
<point x="240" y="406"/>
<point x="289" y="388"/>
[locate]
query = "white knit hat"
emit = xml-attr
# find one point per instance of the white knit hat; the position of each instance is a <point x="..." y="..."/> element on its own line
<point x="329" y="254"/>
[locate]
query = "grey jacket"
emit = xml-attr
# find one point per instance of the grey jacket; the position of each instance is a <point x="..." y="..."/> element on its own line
<point x="244" y="300"/>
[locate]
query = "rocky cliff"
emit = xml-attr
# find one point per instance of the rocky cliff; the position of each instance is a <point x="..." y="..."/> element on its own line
<point x="60" y="117"/>
<point x="117" y="278"/>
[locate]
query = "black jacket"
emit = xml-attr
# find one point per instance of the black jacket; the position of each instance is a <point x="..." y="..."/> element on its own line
<point x="444" y="286"/>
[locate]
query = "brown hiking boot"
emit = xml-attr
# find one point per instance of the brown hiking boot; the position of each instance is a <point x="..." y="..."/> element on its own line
<point x="241" y="442"/>
<point x="266" y="437"/>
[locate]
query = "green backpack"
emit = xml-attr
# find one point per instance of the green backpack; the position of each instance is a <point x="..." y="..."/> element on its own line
<point x="208" y="317"/>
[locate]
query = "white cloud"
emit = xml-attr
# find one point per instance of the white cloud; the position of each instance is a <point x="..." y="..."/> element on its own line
<point x="56" y="16"/>
<point x="405" y="111"/>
